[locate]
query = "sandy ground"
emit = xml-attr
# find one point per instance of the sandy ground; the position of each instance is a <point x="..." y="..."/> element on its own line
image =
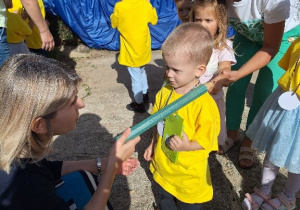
<point x="107" y="90"/>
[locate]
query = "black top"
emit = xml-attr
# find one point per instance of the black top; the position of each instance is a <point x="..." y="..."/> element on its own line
<point x="31" y="186"/>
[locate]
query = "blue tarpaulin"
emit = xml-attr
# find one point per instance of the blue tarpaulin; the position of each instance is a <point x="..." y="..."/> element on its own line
<point x="90" y="20"/>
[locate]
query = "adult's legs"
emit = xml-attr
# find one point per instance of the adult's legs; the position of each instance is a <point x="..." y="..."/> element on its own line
<point x="4" y="50"/>
<point x="265" y="84"/>
<point x="235" y="97"/>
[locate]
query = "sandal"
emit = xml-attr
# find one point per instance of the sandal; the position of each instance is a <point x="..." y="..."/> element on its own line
<point x="229" y="144"/>
<point x="285" y="204"/>
<point x="254" y="204"/>
<point x="249" y="156"/>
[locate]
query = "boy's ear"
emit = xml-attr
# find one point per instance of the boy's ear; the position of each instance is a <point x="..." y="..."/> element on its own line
<point x="201" y="68"/>
<point x="39" y="126"/>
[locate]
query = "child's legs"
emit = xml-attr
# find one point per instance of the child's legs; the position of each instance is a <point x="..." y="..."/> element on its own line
<point x="144" y="80"/>
<point x="268" y="76"/>
<point x="235" y="97"/>
<point x="167" y="201"/>
<point x="136" y="83"/>
<point x="288" y="195"/>
<point x="4" y="52"/>
<point x="292" y="186"/>
<point x="269" y="173"/>
<point x="189" y="206"/>
<point x="223" y="133"/>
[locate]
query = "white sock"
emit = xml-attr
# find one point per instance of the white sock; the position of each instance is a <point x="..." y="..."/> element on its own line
<point x="269" y="173"/>
<point x="292" y="186"/>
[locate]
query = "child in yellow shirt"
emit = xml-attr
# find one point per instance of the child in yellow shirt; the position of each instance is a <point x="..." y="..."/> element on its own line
<point x="186" y="53"/>
<point x="17" y="30"/>
<point x="131" y="18"/>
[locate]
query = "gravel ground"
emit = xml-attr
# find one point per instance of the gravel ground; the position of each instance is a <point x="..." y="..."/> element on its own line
<point x="107" y="85"/>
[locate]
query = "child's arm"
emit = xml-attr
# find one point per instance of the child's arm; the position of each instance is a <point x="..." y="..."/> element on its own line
<point x="148" y="154"/>
<point x="221" y="80"/>
<point x="178" y="144"/>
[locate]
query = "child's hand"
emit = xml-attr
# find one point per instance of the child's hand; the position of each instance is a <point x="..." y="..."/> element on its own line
<point x="149" y="152"/>
<point x="178" y="144"/>
<point x="128" y="166"/>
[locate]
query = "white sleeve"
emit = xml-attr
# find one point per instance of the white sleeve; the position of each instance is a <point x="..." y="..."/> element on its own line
<point x="227" y="54"/>
<point x="275" y="11"/>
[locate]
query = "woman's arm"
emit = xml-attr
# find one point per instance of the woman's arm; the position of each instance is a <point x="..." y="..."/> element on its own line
<point x="118" y="154"/>
<point x="33" y="10"/>
<point x="272" y="39"/>
<point x="127" y="167"/>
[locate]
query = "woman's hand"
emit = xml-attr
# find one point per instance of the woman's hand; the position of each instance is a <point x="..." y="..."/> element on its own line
<point x="217" y="84"/>
<point x="121" y="151"/>
<point x="128" y="166"/>
<point x="232" y="77"/>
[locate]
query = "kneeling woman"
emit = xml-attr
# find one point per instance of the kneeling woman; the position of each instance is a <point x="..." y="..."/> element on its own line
<point x="39" y="100"/>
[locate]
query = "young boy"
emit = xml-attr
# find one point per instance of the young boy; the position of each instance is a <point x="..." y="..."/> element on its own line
<point x="186" y="53"/>
<point x="131" y="18"/>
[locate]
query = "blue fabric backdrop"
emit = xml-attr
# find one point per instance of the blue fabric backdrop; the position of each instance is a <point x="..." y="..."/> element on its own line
<point x="90" y="20"/>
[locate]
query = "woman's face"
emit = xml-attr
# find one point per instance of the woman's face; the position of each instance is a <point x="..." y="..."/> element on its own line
<point x="66" y="117"/>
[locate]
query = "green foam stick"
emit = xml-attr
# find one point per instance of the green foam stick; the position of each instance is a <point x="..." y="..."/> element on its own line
<point x="158" y="116"/>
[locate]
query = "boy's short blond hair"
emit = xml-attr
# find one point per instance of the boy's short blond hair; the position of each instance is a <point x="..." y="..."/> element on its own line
<point x="190" y="40"/>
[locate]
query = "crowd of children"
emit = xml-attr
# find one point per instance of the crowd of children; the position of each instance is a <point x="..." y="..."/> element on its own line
<point x="196" y="52"/>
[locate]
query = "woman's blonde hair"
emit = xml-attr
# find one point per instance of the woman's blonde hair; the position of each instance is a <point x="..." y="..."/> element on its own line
<point x="190" y="40"/>
<point x="31" y="86"/>
<point x="222" y="16"/>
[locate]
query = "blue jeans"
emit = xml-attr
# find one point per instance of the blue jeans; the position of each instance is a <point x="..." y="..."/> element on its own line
<point x="4" y="51"/>
<point x="168" y="202"/>
<point x="139" y="83"/>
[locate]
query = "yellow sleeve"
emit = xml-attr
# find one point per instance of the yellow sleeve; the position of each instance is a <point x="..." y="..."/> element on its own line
<point x="115" y="17"/>
<point x="284" y="61"/>
<point x="208" y="126"/>
<point x="153" y="16"/>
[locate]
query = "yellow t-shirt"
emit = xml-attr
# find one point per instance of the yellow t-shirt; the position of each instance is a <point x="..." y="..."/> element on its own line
<point x="291" y="79"/>
<point x="17" y="28"/>
<point x="131" y="18"/>
<point x="189" y="179"/>
<point x="33" y="41"/>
